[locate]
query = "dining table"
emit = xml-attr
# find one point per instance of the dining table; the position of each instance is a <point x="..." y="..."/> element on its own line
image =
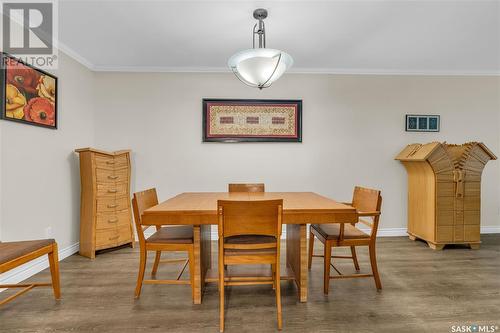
<point x="199" y="209"/>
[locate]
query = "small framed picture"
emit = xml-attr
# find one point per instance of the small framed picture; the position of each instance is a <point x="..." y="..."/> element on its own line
<point x="422" y="123"/>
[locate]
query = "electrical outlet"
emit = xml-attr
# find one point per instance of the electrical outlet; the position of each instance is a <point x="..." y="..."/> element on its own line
<point x="48" y="232"/>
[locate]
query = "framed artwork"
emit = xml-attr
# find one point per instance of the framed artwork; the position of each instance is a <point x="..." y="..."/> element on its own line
<point x="252" y="120"/>
<point x="28" y="94"/>
<point x="422" y="123"/>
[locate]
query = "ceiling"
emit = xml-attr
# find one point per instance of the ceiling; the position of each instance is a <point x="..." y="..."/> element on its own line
<point x="359" y="37"/>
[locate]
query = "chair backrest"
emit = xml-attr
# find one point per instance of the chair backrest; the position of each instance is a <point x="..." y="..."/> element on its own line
<point x="365" y="199"/>
<point x="140" y="202"/>
<point x="246" y="187"/>
<point x="250" y="217"/>
<point x="368" y="203"/>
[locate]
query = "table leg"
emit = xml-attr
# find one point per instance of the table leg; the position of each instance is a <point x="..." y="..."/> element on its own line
<point x="202" y="258"/>
<point x="296" y="256"/>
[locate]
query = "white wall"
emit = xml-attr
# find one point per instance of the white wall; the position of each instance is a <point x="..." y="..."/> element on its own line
<point x="353" y="126"/>
<point x="39" y="172"/>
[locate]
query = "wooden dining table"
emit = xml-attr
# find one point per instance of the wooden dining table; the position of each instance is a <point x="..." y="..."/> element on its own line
<point x="200" y="210"/>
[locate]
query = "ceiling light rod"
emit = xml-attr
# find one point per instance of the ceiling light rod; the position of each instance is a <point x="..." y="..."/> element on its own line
<point x="260" y="14"/>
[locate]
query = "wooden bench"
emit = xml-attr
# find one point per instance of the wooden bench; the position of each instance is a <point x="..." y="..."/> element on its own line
<point x="14" y="254"/>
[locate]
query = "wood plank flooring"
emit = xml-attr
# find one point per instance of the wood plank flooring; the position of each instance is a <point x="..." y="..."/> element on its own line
<point x="423" y="291"/>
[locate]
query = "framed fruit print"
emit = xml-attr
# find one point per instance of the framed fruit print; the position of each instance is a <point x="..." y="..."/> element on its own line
<point x="28" y="94"/>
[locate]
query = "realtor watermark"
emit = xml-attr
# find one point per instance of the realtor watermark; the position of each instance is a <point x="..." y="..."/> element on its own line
<point x="474" y="328"/>
<point x="29" y="31"/>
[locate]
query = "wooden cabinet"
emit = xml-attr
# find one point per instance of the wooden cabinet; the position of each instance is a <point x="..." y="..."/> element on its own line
<point x="105" y="213"/>
<point x="444" y="191"/>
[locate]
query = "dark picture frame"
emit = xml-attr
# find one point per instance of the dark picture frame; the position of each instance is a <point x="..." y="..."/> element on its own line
<point x="257" y="103"/>
<point x="38" y="104"/>
<point x="422" y="123"/>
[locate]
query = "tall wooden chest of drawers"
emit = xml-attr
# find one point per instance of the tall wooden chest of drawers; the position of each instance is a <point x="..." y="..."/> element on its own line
<point x="444" y="191"/>
<point x="105" y="212"/>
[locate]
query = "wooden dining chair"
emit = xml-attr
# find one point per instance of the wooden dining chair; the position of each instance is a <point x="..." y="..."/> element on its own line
<point x="14" y="254"/>
<point x="367" y="203"/>
<point x="246" y="187"/>
<point x="249" y="233"/>
<point x="167" y="238"/>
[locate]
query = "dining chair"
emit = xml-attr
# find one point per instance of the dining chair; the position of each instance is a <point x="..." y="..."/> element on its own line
<point x="367" y="203"/>
<point x="166" y="238"/>
<point x="246" y="187"/>
<point x="249" y="233"/>
<point x="259" y="187"/>
<point x="15" y="254"/>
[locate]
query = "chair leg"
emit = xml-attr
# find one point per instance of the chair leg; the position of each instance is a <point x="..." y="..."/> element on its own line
<point x="311" y="250"/>
<point x="273" y="270"/>
<point x="326" y="273"/>
<point x="156" y="263"/>
<point x="373" y="261"/>
<point x="54" y="271"/>
<point x="277" y="277"/>
<point x="354" y="257"/>
<point x="140" y="276"/>
<point x="221" y="291"/>
<point x="191" y="270"/>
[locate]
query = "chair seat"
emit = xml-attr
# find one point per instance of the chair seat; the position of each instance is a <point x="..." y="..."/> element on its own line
<point x="249" y="252"/>
<point x="250" y="239"/>
<point x="174" y="235"/>
<point x="249" y="245"/>
<point x="250" y="242"/>
<point x="13" y="250"/>
<point x="332" y="231"/>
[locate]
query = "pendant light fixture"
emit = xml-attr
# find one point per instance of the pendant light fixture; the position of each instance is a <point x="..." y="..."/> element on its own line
<point x="259" y="67"/>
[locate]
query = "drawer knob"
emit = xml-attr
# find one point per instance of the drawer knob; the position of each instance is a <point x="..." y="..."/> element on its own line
<point x="113" y="206"/>
<point x="113" y="238"/>
<point x="113" y="177"/>
<point x="112" y="191"/>
<point x="113" y="220"/>
<point x="110" y="162"/>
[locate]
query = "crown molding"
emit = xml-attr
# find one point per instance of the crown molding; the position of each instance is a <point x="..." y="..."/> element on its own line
<point x="298" y="70"/>
<point x="161" y="69"/>
<point x="337" y="71"/>
<point x="385" y="71"/>
<point x="75" y="56"/>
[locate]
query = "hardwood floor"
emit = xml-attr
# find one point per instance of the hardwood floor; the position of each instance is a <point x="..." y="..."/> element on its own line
<point x="424" y="291"/>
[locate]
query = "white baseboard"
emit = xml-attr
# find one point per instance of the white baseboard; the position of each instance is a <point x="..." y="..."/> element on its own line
<point x="29" y="269"/>
<point x="388" y="232"/>
<point x="398" y="232"/>
<point x="382" y="232"/>
<point x="490" y="230"/>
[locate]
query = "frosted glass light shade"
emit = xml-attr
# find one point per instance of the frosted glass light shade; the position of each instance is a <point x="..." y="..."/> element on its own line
<point x="260" y="67"/>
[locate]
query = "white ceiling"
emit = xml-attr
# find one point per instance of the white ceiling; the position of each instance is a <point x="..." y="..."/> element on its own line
<point x="400" y="37"/>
